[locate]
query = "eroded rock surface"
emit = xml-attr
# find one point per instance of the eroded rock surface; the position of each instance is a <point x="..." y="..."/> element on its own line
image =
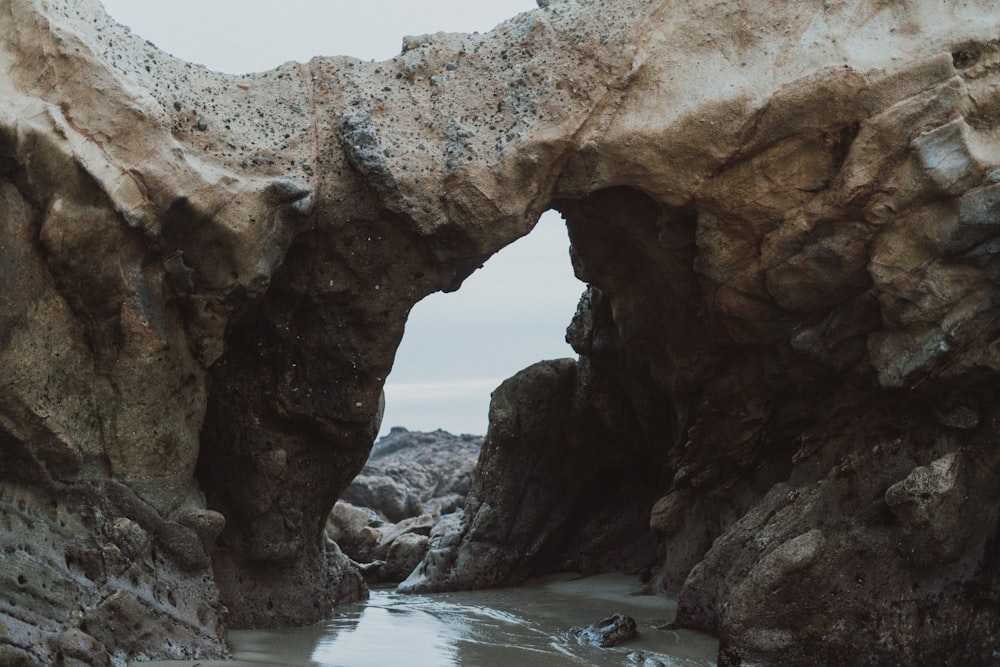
<point x="787" y="215"/>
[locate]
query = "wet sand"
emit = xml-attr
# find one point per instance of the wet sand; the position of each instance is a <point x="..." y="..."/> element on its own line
<point x="526" y="626"/>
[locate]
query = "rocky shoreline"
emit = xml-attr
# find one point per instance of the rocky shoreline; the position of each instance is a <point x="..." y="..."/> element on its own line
<point x="412" y="488"/>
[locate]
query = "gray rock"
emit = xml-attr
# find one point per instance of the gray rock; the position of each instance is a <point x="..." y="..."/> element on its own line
<point x="647" y="659"/>
<point x="76" y="644"/>
<point x="356" y="530"/>
<point x="957" y="416"/>
<point x="944" y="152"/>
<point x="392" y="498"/>
<point x="611" y="631"/>
<point x="411" y="481"/>
<point x="412" y="473"/>
<point x="932" y="503"/>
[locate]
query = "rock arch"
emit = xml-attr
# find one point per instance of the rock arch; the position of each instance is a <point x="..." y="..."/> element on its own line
<point x="790" y="238"/>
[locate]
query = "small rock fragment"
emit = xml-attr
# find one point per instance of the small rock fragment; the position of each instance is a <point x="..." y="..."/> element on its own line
<point x="611" y="631"/>
<point x="645" y="659"/>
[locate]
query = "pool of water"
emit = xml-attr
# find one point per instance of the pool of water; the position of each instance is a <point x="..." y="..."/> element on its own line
<point x="524" y="626"/>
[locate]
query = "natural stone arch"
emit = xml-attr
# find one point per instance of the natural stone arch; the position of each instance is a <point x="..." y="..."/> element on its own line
<point x="204" y="293"/>
<point x="576" y="452"/>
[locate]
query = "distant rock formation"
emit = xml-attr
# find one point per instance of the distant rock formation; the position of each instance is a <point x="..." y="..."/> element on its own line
<point x="786" y="212"/>
<point x="411" y="484"/>
<point x="411" y="473"/>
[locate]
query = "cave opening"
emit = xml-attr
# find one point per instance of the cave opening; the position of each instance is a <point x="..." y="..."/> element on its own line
<point x="458" y="347"/>
<point x="579" y="450"/>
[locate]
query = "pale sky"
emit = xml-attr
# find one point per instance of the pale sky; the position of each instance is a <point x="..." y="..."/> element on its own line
<point x="514" y="311"/>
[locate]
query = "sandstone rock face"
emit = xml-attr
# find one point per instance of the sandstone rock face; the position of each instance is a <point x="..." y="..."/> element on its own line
<point x="786" y="212"/>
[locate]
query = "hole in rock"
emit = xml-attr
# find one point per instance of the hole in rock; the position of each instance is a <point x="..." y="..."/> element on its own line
<point x="240" y="36"/>
<point x="460" y="346"/>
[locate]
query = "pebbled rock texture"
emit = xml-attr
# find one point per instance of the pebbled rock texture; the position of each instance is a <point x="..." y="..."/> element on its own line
<point x="786" y="211"/>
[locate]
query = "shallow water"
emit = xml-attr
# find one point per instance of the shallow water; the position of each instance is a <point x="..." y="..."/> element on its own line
<point x="524" y="626"/>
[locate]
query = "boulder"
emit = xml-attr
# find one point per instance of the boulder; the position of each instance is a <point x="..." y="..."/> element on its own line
<point x="357" y="530"/>
<point x="405" y="553"/>
<point x="611" y="631"/>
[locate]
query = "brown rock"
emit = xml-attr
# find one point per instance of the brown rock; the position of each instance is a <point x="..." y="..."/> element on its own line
<point x="787" y="218"/>
<point x="404" y="554"/>
<point x="355" y="530"/>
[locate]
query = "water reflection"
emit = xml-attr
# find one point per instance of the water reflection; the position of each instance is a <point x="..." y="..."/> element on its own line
<point x="384" y="634"/>
<point x="525" y="626"/>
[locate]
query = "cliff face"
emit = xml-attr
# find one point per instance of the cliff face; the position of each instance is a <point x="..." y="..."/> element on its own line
<point x="786" y="212"/>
